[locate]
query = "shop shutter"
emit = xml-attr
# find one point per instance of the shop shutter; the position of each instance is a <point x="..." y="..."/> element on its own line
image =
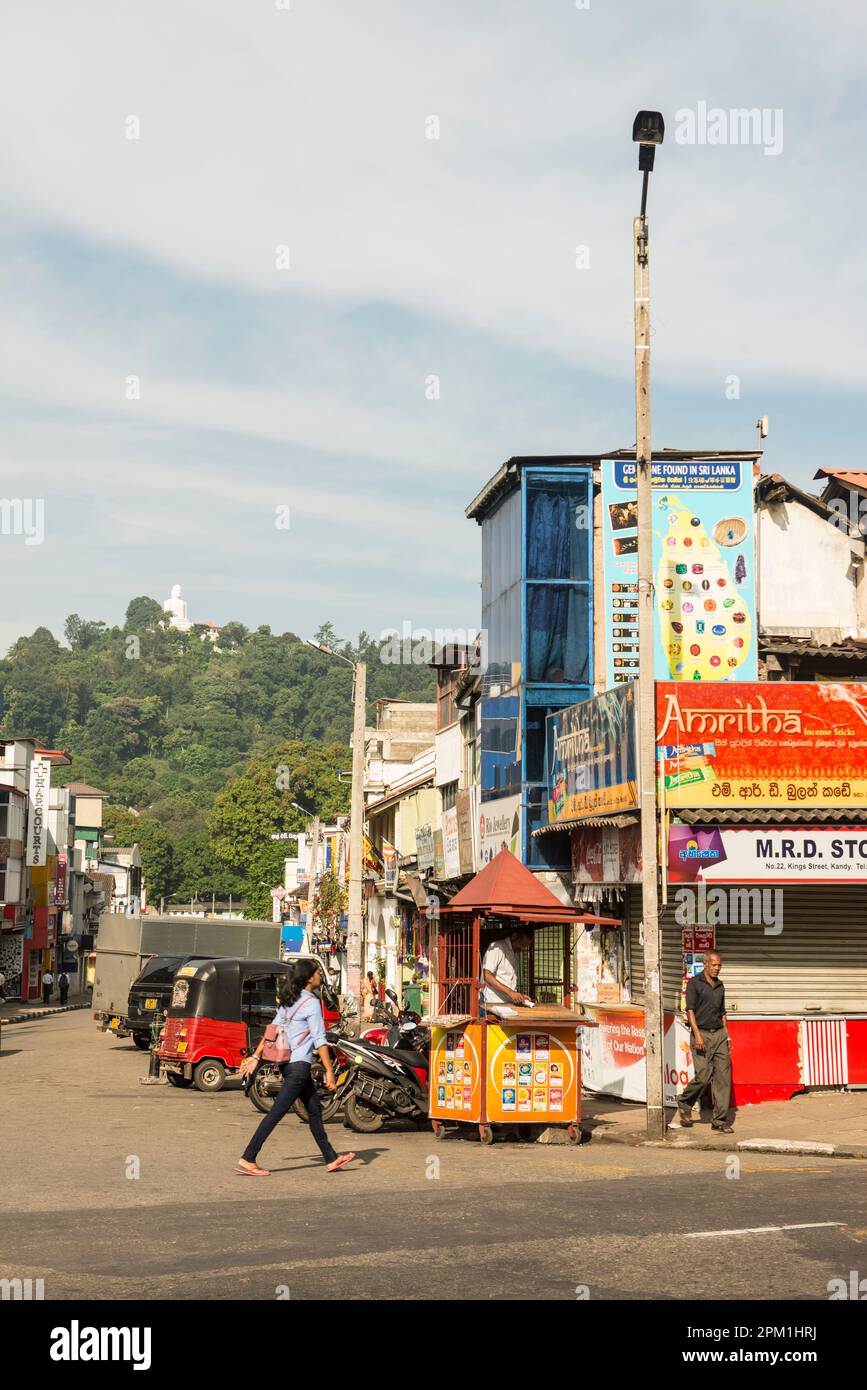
<point x="671" y="962"/>
<point x="818" y="962"/>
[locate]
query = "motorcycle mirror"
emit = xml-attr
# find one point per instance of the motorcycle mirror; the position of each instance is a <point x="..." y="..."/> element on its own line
<point x="390" y="994"/>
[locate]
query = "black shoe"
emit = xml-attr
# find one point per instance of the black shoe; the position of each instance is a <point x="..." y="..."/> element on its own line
<point x="723" y="1129"/>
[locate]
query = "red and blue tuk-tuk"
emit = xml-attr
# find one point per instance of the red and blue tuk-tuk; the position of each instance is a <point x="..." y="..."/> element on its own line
<point x="218" y="1013"/>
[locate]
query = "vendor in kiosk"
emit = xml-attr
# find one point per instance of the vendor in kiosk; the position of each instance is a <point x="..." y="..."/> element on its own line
<point x="500" y="970"/>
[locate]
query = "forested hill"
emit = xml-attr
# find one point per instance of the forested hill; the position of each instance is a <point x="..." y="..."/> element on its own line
<point x="166" y="721"/>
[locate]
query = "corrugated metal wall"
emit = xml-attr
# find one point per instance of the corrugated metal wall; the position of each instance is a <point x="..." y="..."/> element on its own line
<point x="817" y="961"/>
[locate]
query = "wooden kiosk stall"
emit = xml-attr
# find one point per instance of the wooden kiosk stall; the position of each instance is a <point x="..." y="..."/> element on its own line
<point x="503" y="1064"/>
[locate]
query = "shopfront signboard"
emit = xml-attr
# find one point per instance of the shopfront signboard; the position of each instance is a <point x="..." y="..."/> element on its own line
<point x="786" y="743"/>
<point x="767" y="854"/>
<point x="592" y="756"/>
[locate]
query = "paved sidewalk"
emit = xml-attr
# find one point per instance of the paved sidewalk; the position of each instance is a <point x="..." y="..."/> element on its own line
<point x="831" y="1123"/>
<point x="14" y="1011"/>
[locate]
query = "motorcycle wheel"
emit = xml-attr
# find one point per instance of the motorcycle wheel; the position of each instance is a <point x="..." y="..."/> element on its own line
<point x="330" y="1101"/>
<point x="362" y="1118"/>
<point x="260" y="1099"/>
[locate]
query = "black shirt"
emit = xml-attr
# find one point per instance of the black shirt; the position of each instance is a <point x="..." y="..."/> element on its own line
<point x="707" y="1001"/>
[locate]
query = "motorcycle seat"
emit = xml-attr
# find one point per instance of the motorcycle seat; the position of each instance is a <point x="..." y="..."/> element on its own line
<point x="401" y="1054"/>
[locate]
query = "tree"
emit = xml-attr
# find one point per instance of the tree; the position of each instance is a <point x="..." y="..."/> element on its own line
<point x="80" y="633"/>
<point x="258" y="803"/>
<point x="143" y="614"/>
<point x="154" y="844"/>
<point x="232" y="635"/>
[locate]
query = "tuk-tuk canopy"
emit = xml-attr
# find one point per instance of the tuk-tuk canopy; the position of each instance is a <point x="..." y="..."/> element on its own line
<point x="217" y="986"/>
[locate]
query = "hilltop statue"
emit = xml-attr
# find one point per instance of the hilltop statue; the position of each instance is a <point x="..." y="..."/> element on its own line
<point x="177" y="608"/>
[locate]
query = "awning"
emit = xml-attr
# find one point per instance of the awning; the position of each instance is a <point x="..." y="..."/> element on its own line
<point x="771" y="815"/>
<point x="619" y="821"/>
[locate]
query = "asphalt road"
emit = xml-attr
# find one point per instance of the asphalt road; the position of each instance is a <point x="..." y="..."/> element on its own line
<point x="113" y="1190"/>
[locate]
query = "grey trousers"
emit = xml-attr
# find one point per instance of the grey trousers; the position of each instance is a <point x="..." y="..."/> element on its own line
<point x="713" y="1065"/>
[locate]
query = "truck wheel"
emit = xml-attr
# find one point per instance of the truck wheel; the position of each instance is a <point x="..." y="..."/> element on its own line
<point x="209" y="1075"/>
<point x="142" y="1041"/>
<point x="361" y="1117"/>
<point x="175" y="1079"/>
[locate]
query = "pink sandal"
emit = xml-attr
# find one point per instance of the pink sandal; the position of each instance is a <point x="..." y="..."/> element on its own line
<point x="340" y="1162"/>
<point x="252" y="1172"/>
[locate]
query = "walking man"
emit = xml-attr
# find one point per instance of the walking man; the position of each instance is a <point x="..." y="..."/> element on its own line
<point x="63" y="984"/>
<point x="47" y="987"/>
<point x="706" y="1011"/>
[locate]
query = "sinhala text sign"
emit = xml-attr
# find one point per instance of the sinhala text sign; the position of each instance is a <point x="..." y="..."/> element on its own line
<point x="789" y="743"/>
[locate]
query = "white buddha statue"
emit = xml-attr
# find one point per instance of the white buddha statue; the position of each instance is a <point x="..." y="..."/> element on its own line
<point x="177" y="607"/>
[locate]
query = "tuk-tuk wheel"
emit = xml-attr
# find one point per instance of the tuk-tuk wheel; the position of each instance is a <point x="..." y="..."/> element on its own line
<point x="176" y="1079"/>
<point x="209" y="1075"/>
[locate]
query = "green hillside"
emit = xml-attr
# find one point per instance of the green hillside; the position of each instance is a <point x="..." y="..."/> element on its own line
<point x="201" y="746"/>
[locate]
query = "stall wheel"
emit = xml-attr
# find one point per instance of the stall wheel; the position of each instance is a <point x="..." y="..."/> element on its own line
<point x="574" y="1134"/>
<point x="486" y="1134"/>
<point x="439" y="1129"/>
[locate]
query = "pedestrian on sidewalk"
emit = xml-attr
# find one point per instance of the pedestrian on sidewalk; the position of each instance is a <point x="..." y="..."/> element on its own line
<point x="2" y="988"/>
<point x="300" y="1016"/>
<point x="47" y="987"/>
<point x="63" y="985"/>
<point x="706" y="1011"/>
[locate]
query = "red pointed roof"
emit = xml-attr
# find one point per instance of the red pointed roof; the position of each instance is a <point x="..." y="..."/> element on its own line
<point x="506" y="888"/>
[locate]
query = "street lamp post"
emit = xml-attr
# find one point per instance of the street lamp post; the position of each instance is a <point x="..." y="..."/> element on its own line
<point x="314" y="862"/>
<point x="648" y="131"/>
<point x="356" y="821"/>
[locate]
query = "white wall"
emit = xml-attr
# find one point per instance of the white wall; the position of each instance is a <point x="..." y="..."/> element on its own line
<point x="807" y="578"/>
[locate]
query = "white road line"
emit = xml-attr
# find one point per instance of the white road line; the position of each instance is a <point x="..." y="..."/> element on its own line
<point x="760" y="1230"/>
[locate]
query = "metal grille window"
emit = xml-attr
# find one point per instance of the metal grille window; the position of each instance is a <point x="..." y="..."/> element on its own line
<point x="551" y="983"/>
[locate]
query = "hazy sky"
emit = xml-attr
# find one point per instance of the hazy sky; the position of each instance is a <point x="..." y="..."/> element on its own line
<point x="264" y="386"/>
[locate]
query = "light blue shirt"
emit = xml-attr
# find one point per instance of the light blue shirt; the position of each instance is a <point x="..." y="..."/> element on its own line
<point x="305" y="1016"/>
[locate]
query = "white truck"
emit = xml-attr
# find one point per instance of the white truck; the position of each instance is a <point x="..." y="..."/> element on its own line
<point x="126" y="944"/>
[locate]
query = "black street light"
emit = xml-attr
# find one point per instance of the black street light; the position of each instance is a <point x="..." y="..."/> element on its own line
<point x="648" y="131"/>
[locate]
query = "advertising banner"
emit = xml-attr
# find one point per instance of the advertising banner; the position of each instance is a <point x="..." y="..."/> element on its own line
<point x="60" y="870"/>
<point x="425" y="847"/>
<point x="37" y="818"/>
<point x="464" y="808"/>
<point x="767" y="854"/>
<point x="786" y="743"/>
<point x="592" y="756"/>
<point x="604" y="854"/>
<point x="704" y="569"/>
<point x="451" y="843"/>
<point x="390" y="862"/>
<point x="613" y="1054"/>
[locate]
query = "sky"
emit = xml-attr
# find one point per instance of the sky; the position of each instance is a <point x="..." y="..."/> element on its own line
<point x="345" y="258"/>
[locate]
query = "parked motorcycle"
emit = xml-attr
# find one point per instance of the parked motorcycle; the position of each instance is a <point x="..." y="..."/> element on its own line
<point x="264" y="1083"/>
<point x="387" y="1081"/>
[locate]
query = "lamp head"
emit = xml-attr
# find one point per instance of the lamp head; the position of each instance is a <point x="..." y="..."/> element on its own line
<point x="648" y="131"/>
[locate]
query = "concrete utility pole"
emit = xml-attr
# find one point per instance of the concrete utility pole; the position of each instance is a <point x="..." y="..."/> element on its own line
<point x="648" y="132"/>
<point x="314" y="864"/>
<point x="356" y="834"/>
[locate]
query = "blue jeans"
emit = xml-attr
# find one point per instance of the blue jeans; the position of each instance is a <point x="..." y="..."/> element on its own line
<point x="297" y="1083"/>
